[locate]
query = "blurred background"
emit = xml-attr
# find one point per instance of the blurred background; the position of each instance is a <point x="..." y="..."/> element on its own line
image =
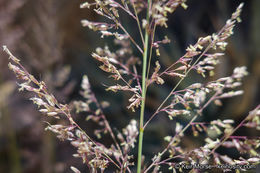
<point x="48" y="37"/>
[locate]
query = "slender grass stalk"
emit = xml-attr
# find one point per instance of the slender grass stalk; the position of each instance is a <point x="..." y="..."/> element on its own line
<point x="151" y="52"/>
<point x="141" y="131"/>
<point x="138" y="23"/>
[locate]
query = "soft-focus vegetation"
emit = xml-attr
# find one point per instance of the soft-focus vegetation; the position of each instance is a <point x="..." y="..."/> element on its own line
<point x="49" y="39"/>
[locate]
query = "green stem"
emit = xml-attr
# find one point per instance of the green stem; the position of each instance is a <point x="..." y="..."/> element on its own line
<point x="141" y="131"/>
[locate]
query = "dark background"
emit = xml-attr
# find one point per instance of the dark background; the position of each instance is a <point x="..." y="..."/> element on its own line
<point x="52" y="44"/>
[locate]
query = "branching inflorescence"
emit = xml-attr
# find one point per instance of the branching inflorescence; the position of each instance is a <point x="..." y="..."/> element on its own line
<point x="201" y="57"/>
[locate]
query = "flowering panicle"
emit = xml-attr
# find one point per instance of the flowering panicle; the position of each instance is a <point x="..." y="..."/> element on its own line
<point x="135" y="101"/>
<point x="123" y="67"/>
<point x="87" y="94"/>
<point x="128" y="139"/>
<point x="115" y="34"/>
<point x="93" y="107"/>
<point x="122" y="58"/>
<point x="195" y="95"/>
<point x="97" y="26"/>
<point x="108" y="9"/>
<point x="218" y="41"/>
<point x="121" y="88"/>
<point x="160" y="9"/>
<point x="63" y="132"/>
<point x="214" y="128"/>
<point x="129" y="135"/>
<point x="193" y="100"/>
<point x="46" y="102"/>
<point x="110" y="60"/>
<point x="155" y="76"/>
<point x="205" y="61"/>
<point x="93" y="154"/>
<point x="242" y="144"/>
<point x="120" y="63"/>
<point x="107" y="66"/>
<point x="96" y="155"/>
